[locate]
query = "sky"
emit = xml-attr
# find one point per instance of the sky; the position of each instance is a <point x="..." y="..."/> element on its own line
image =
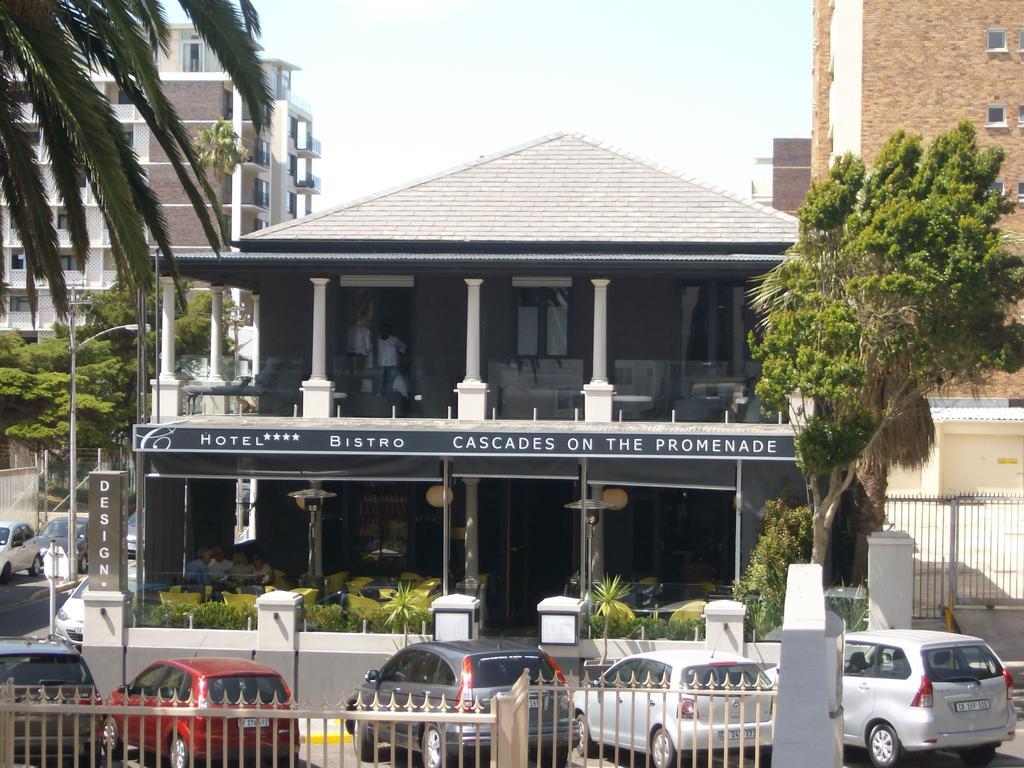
<point x="402" y="89"/>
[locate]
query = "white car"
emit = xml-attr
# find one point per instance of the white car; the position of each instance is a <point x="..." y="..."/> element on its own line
<point x="19" y="550"/>
<point x="913" y="690"/>
<point x="70" y="621"/>
<point x="666" y="702"/>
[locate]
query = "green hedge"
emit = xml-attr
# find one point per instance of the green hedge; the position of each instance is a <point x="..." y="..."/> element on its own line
<point x="653" y="629"/>
<point x="204" y="616"/>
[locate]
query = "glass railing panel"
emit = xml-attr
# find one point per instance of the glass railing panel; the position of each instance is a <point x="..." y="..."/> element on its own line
<point x="528" y="387"/>
<point x="691" y="391"/>
<point x="421" y="387"/>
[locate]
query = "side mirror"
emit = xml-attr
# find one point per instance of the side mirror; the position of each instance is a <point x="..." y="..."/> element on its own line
<point x="123" y="688"/>
<point x="373" y="676"/>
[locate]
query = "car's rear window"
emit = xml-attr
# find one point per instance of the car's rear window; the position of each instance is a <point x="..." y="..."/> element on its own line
<point x="725" y="676"/>
<point x="961" y="663"/>
<point x="4" y="535"/>
<point x="247" y="689"/>
<point x="503" y="669"/>
<point x="44" y="669"/>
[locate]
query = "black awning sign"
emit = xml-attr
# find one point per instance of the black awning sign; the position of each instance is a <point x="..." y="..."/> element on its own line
<point x="191" y="438"/>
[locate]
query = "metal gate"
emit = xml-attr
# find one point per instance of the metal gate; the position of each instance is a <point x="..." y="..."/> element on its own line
<point x="966" y="548"/>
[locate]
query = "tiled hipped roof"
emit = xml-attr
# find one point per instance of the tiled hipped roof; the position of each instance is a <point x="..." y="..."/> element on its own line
<point x="562" y="188"/>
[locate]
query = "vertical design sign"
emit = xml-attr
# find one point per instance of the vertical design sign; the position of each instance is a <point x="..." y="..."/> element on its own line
<point x="108" y="566"/>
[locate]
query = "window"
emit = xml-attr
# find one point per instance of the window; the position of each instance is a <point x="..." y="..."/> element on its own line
<point x="258" y="224"/>
<point x="1020" y="40"/>
<point x="122" y="97"/>
<point x="999" y="186"/>
<point x="309" y="205"/>
<point x="69" y="262"/>
<point x="958" y="661"/>
<point x="293" y="203"/>
<point x="293" y="167"/>
<point x="17" y="259"/>
<point x="996" y="39"/>
<point x="1020" y="195"/>
<point x="146" y="683"/>
<point x="19" y="304"/>
<point x="62" y="220"/>
<point x="193" y="53"/>
<point x="542" y="322"/>
<point x="893" y="664"/>
<point x="129" y="136"/>
<point x="715" y="318"/>
<point x="1020" y="115"/>
<point x="996" y="116"/>
<point x="293" y="127"/>
<point x="859" y="660"/>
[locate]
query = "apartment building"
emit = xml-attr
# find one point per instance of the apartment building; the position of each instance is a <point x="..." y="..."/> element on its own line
<point x="274" y="184"/>
<point x="781" y="180"/>
<point x="923" y="66"/>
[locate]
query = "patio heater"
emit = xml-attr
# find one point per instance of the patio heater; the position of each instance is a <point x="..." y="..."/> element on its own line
<point x="312" y="500"/>
<point x="590" y="515"/>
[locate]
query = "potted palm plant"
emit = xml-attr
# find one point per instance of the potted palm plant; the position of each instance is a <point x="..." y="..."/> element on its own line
<point x="607" y="599"/>
<point x="401" y="609"/>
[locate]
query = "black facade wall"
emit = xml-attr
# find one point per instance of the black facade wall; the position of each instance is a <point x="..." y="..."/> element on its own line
<point x="211" y="512"/>
<point x="642" y="319"/>
<point x="164" y="527"/>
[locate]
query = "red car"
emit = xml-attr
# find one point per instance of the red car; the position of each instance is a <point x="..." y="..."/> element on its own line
<point x="203" y="682"/>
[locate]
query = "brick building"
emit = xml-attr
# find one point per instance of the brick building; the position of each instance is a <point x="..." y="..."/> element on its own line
<point x="781" y="181"/>
<point x="274" y="184"/>
<point x="923" y="66"/>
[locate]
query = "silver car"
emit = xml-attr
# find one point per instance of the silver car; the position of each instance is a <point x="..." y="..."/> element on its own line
<point x="19" y="550"/>
<point x="913" y="690"/>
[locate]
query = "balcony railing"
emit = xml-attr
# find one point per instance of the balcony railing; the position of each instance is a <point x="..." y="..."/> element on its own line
<point x="259" y="199"/>
<point x="309" y="182"/>
<point x="308" y="144"/>
<point x="260" y="157"/>
<point x="298" y="103"/>
<point x="126" y="113"/>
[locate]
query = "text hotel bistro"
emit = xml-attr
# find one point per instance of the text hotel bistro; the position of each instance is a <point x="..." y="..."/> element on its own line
<point x="562" y="315"/>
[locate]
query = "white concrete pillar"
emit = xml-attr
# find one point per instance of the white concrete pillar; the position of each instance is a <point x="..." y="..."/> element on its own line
<point x="317" y="391"/>
<point x="216" y="333"/>
<point x="472" y="391"/>
<point x="472" y="527"/>
<point x="235" y="208"/>
<point x="598" y="393"/>
<point x="255" y="343"/>
<point x="890" y="580"/>
<point x="277" y="618"/>
<point x="166" y="387"/>
<point x="167" y="362"/>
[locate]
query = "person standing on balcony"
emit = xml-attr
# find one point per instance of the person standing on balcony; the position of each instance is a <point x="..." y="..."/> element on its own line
<point x="390" y="349"/>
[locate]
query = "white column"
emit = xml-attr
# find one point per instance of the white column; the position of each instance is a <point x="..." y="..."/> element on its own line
<point x="598" y="393"/>
<point x="255" y="343"/>
<point x="319" y="328"/>
<point x="236" y="178"/>
<point x="167" y="329"/>
<point x="472" y="391"/>
<point x="317" y="391"/>
<point x="216" y="333"/>
<point x="472" y="527"/>
<point x="167" y="386"/>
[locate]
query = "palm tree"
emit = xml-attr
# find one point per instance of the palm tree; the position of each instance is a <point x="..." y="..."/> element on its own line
<point x="220" y="149"/>
<point x="401" y="609"/>
<point x="50" y="48"/>
<point x="607" y="597"/>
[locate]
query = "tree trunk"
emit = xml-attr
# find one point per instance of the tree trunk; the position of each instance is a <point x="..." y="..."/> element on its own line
<point x="819" y="549"/>
<point x="869" y="514"/>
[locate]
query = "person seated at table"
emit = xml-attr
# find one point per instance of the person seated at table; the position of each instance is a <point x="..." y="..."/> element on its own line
<point x="198" y="570"/>
<point x="263" y="572"/>
<point x="241" y="565"/>
<point x="219" y="566"/>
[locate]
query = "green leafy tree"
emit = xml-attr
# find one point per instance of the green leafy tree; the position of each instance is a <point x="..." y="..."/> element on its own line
<point x="900" y="283"/>
<point x="51" y="49"/>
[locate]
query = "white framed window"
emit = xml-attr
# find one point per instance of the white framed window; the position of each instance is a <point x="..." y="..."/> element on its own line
<point x="1020" y="115"/>
<point x="999" y="186"/>
<point x="1020" y="191"/>
<point x="192" y="53"/>
<point x="995" y="39"/>
<point x="996" y="116"/>
<point x="1020" y="39"/>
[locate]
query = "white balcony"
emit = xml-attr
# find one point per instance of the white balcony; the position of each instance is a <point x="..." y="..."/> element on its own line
<point x="126" y="113"/>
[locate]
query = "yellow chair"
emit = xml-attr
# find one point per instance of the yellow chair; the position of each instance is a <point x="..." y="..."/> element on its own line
<point x="269" y="588"/>
<point x="176" y="588"/>
<point x="362" y="607"/>
<point x="428" y="583"/>
<point x="708" y="587"/>
<point x="410" y="576"/>
<point x="621" y="611"/>
<point x="386" y="592"/>
<point x="179" y="598"/>
<point x="358" y="582"/>
<point x="648" y="580"/>
<point x="230" y="598"/>
<point x="693" y="610"/>
<point x="309" y="594"/>
<point x="335" y="581"/>
<point x="422" y="600"/>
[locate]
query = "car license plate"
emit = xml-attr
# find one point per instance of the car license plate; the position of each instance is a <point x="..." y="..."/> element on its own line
<point x="974" y="705"/>
<point x="734" y="734"/>
<point x="534" y="702"/>
<point x="252" y="722"/>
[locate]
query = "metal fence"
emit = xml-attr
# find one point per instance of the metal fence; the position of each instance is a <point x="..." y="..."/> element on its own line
<point x="555" y="723"/>
<point x="967" y="549"/>
<point x="19" y="495"/>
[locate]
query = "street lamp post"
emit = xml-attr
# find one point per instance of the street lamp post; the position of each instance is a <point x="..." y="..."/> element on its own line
<point x="75" y="345"/>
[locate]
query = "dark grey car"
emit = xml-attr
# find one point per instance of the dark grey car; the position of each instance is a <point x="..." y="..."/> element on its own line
<point x="468" y="674"/>
<point x="49" y="670"/>
<point x="56" y="531"/>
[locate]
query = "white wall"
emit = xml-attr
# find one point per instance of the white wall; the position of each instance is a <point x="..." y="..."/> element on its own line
<point x="847" y="67"/>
